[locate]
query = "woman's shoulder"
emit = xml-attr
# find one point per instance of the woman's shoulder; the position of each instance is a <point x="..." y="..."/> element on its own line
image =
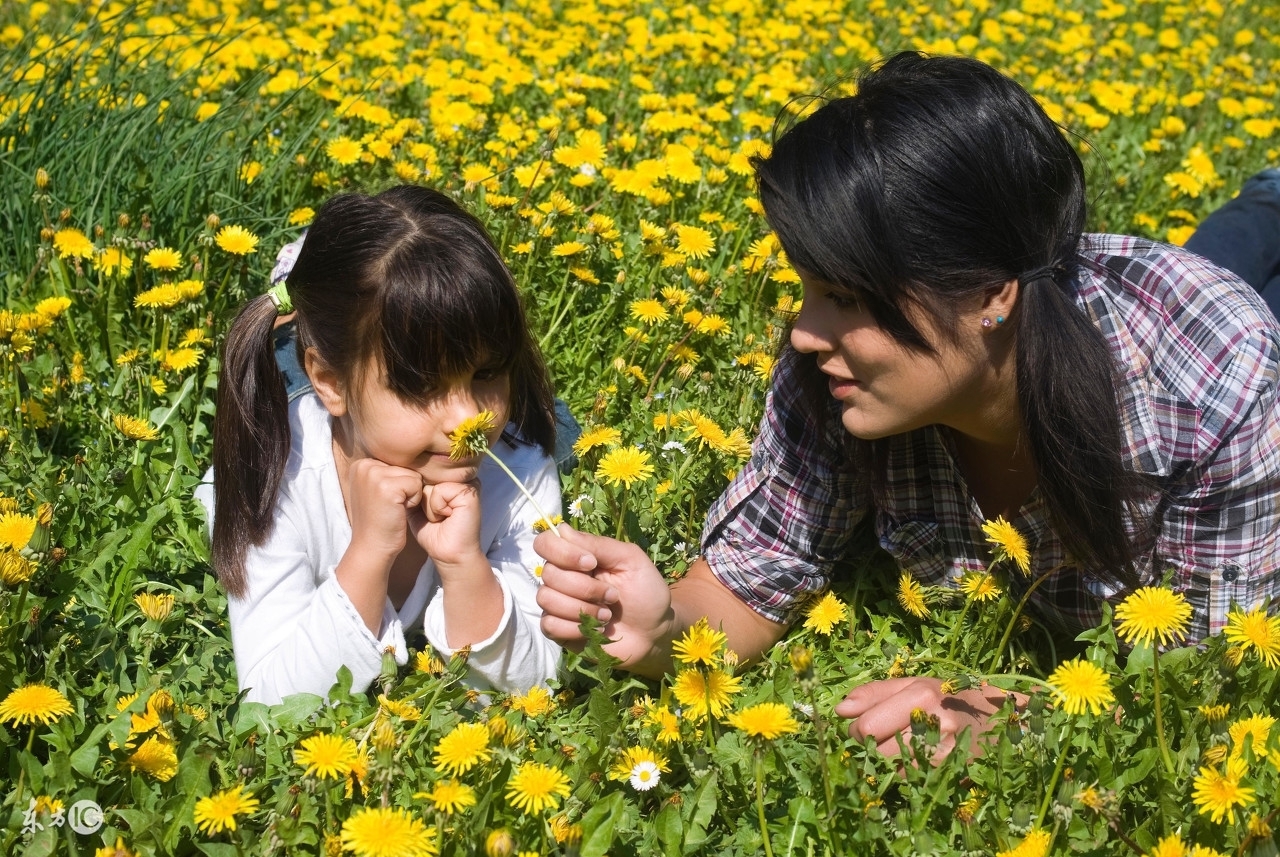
<point x="310" y="437"/>
<point x="524" y="457"/>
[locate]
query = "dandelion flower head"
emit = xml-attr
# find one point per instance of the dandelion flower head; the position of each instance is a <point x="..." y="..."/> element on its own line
<point x="766" y="721"/>
<point x="825" y="614"/>
<point x="236" y="240"/>
<point x="1007" y="544"/>
<point x="1255" y="631"/>
<point x="466" y="746"/>
<point x="386" y="832"/>
<point x="702" y="693"/>
<point x="624" y="465"/>
<point x="1217" y="794"/>
<point x="1082" y="686"/>
<point x="471" y="437"/>
<point x="699" y="645"/>
<point x="1153" y="613"/>
<point x="450" y="796"/>
<point x="911" y="596"/>
<point x="34" y="702"/>
<point x="535" y="787"/>
<point x="218" y="812"/>
<point x="326" y="755"/>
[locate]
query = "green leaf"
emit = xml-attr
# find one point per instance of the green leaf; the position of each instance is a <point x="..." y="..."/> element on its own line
<point x="598" y="826"/>
<point x="670" y="829"/>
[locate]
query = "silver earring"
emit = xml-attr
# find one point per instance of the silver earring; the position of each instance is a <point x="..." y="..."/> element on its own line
<point x="986" y="322"/>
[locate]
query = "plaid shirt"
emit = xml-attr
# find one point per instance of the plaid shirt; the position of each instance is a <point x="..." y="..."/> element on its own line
<point x="1198" y="355"/>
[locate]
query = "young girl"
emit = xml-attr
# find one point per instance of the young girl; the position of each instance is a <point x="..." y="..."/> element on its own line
<point x="339" y="517"/>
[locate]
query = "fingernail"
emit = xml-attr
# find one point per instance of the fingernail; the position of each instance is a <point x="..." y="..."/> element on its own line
<point x="604" y="614"/>
<point x="611" y="595"/>
<point x="586" y="562"/>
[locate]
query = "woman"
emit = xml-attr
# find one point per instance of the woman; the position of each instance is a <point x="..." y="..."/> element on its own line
<point x="964" y="352"/>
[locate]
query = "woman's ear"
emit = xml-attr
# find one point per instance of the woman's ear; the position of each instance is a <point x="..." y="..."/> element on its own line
<point x="999" y="302"/>
<point x="326" y="383"/>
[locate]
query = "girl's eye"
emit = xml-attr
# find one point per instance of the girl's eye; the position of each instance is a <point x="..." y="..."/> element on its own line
<point x="842" y="301"/>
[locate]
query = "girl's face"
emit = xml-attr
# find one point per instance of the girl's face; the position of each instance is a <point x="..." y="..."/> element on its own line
<point x="885" y="388"/>
<point x="378" y="424"/>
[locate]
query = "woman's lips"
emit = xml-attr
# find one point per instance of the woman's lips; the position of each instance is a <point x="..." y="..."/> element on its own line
<point x="841" y="387"/>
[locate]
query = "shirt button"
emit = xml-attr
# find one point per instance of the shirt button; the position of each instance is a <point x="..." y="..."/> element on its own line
<point x="1230" y="573"/>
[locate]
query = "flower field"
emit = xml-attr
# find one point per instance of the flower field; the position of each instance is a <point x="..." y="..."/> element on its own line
<point x="157" y="154"/>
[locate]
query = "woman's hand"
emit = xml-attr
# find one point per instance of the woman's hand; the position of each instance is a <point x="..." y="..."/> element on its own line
<point x="882" y="710"/>
<point x="608" y="580"/>
<point x="447" y="526"/>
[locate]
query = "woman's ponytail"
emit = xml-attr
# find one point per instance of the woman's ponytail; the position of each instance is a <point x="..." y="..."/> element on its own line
<point x="1066" y="390"/>
<point x="250" y="441"/>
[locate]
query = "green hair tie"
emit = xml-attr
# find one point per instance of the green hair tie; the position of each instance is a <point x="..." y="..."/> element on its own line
<point x="279" y="294"/>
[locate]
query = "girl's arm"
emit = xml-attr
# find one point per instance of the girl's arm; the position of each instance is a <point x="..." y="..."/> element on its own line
<point x="516" y="655"/>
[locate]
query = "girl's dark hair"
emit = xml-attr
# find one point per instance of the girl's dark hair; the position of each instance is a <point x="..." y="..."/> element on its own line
<point x="406" y="278"/>
<point x="941" y="178"/>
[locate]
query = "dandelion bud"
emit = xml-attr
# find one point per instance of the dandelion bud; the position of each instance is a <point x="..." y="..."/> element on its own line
<point x="155" y="607"/>
<point x="46" y="235"/>
<point x="500" y="843"/>
<point x="684" y="370"/>
<point x="1021" y="816"/>
<point x="384" y="737"/>
<point x="801" y="661"/>
<point x="15" y="569"/>
<point x="212" y="222"/>
<point x="98" y="231"/>
<point x="57" y="555"/>
<point x="122" y="220"/>
<point x="42" y="180"/>
<point x="161" y="702"/>
<point x="619" y="365"/>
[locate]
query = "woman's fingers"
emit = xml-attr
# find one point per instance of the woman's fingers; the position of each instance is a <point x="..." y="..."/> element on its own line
<point x="866" y="696"/>
<point x="570" y="607"/>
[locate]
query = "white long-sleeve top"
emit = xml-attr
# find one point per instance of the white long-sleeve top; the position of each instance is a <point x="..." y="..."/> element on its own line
<point x="295" y="626"/>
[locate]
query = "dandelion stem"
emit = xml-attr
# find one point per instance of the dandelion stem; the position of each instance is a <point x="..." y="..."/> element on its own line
<point x="1017" y="611"/>
<point x="537" y="507"/>
<point x="1164" y="744"/>
<point x="764" y="827"/>
<point x="953" y="637"/>
<point x="1057" y="772"/>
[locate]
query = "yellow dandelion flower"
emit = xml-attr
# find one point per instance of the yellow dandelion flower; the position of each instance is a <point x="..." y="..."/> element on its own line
<point x="156" y="757"/>
<point x="466" y="746"/>
<point x="113" y="259"/>
<point x="15" y="569"/>
<point x="535" y="787"/>
<point x="1217" y="794"/>
<point x="16" y="530"/>
<point x="1255" y="730"/>
<point x="699" y="645"/>
<point x="767" y="721"/>
<point x="218" y="812"/>
<point x="1082" y="686"/>
<point x="33" y="702"/>
<point x="386" y="832"/>
<point x="301" y="216"/>
<point x="450" y="796"/>
<point x="51" y="308"/>
<point x="398" y="708"/>
<point x="713" y="325"/>
<point x="980" y="586"/>
<point x="537" y="702"/>
<point x="825" y="614"/>
<point x="1034" y="844"/>
<point x="568" y="248"/>
<point x="117" y="850"/>
<point x="911" y="596"/>
<point x="624" y="465"/>
<point x="471" y="437"/>
<point x="1153" y="613"/>
<point x="1215" y="713"/>
<point x="694" y="242"/>
<point x="1007" y="544"/>
<point x="326" y="755"/>
<point x="649" y="311"/>
<point x="702" y="693"/>
<point x="344" y="151"/>
<point x="236" y="240"/>
<point x="155" y="607"/>
<point x="180" y="359"/>
<point x="596" y="436"/>
<point x="69" y="243"/>
<point x="666" y="721"/>
<point x="134" y="429"/>
<point x="675" y="296"/>
<point x="1255" y="631"/>
<point x="1170" y="846"/>
<point x="163" y="259"/>
<point x="164" y="296"/>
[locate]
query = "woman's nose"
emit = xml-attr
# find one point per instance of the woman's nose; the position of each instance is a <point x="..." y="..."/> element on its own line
<point x="810" y="334"/>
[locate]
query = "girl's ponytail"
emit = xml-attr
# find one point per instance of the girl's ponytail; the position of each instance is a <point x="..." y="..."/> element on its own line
<point x="1066" y="391"/>
<point x="250" y="441"/>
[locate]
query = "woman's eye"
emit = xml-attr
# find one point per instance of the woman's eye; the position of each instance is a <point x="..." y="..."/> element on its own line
<point x="842" y="301"/>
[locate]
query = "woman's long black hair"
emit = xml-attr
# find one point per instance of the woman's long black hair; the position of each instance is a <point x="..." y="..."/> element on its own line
<point x="406" y="278"/>
<point x="939" y="179"/>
